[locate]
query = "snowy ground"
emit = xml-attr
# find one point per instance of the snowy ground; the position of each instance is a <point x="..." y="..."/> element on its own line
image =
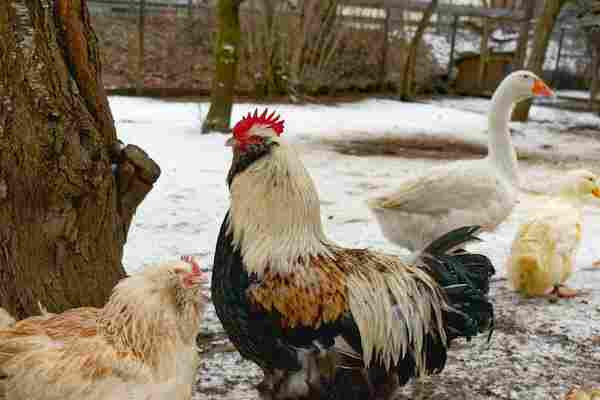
<point x="577" y="94"/>
<point x="540" y="348"/>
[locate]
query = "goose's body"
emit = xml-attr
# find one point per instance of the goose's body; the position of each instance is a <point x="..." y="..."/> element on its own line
<point x="449" y="196"/>
<point x="543" y="251"/>
<point x="481" y="192"/>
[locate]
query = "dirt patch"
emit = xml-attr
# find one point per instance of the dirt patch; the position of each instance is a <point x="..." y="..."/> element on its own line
<point x="407" y="148"/>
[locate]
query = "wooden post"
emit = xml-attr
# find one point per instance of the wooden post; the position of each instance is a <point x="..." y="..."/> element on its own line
<point x="189" y="8"/>
<point x="560" y="44"/>
<point x="139" y="84"/>
<point x="483" y="59"/>
<point x="452" y="45"/>
<point x="384" y="49"/>
<point x="523" y="42"/>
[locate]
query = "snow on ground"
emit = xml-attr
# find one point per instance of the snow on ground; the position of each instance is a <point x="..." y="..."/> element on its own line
<point x="577" y="94"/>
<point x="540" y="349"/>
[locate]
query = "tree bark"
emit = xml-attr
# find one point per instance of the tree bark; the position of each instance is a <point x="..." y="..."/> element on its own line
<point x="141" y="30"/>
<point x="594" y="42"/>
<point x="269" y="47"/>
<point x="68" y="191"/>
<point x="406" y="93"/>
<point x="226" y="60"/>
<point x="523" y="41"/>
<point x="541" y="38"/>
<point x="484" y="54"/>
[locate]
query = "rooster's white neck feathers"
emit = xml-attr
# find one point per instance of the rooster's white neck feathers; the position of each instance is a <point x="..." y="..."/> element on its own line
<point x="263" y="228"/>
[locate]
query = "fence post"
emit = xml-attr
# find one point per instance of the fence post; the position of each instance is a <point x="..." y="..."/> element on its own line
<point x="384" y="49"/>
<point x="452" y="45"/>
<point x="483" y="56"/>
<point x="560" y="44"/>
<point x="189" y="8"/>
<point x="139" y="84"/>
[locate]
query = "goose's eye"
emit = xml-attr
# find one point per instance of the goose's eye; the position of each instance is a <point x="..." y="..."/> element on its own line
<point x="590" y="179"/>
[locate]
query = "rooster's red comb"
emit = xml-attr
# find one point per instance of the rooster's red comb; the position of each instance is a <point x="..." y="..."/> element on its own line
<point x="246" y="123"/>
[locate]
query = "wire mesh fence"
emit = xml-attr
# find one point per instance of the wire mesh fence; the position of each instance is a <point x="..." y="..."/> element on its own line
<point x="319" y="47"/>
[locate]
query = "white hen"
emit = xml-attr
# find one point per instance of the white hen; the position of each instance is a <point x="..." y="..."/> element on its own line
<point x="543" y="251"/>
<point x="467" y="192"/>
<point x="140" y="346"/>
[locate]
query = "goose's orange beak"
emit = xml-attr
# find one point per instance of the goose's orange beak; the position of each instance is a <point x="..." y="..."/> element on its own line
<point x="596" y="192"/>
<point x="541" y="89"/>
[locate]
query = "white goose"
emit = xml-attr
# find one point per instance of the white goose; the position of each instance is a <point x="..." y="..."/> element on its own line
<point x="467" y="192"/>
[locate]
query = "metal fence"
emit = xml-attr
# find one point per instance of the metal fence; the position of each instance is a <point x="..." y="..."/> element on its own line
<point x="160" y="43"/>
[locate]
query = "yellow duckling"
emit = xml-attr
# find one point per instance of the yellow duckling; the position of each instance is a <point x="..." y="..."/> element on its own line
<point x="543" y="251"/>
<point x="583" y="394"/>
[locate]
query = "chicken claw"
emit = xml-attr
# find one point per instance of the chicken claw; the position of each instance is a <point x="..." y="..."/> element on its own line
<point x="564" y="292"/>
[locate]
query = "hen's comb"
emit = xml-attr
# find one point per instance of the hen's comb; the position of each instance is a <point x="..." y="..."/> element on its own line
<point x="251" y="119"/>
<point x="195" y="266"/>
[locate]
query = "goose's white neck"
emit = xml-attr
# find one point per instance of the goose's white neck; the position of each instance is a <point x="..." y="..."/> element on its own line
<point x="500" y="147"/>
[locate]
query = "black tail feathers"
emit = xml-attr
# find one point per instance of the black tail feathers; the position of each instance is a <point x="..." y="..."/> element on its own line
<point x="465" y="279"/>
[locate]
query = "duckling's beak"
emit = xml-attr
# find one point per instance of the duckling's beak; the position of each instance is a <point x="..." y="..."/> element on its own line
<point x="541" y="89"/>
<point x="596" y="192"/>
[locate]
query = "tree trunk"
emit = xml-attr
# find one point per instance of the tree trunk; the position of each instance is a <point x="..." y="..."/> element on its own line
<point x="141" y="30"/>
<point x="269" y="47"/>
<point x="594" y="42"/>
<point x="385" y="50"/>
<point x="595" y="83"/>
<point x="226" y="60"/>
<point x="523" y="42"/>
<point x="406" y="93"/>
<point x="541" y="38"/>
<point x="68" y="191"/>
<point x="484" y="54"/>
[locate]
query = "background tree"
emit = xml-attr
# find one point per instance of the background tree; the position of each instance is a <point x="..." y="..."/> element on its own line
<point x="408" y="77"/>
<point x="594" y="42"/>
<point x="226" y="59"/>
<point x="68" y="190"/>
<point x="541" y="39"/>
<point x="587" y="13"/>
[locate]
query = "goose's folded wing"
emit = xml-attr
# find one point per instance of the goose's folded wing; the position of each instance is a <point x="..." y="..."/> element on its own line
<point x="441" y="190"/>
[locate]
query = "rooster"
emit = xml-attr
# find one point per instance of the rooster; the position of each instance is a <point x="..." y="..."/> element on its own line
<point x="140" y="346"/>
<point x="315" y="315"/>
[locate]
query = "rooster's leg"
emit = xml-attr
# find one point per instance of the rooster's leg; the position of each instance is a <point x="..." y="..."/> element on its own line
<point x="271" y="379"/>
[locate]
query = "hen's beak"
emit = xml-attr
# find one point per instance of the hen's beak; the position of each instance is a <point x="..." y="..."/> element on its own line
<point x="596" y="192"/>
<point x="541" y="89"/>
<point x="230" y="142"/>
<point x="193" y="280"/>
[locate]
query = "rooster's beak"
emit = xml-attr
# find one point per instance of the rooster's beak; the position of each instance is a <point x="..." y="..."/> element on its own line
<point x="230" y="142"/>
<point x="541" y="89"/>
